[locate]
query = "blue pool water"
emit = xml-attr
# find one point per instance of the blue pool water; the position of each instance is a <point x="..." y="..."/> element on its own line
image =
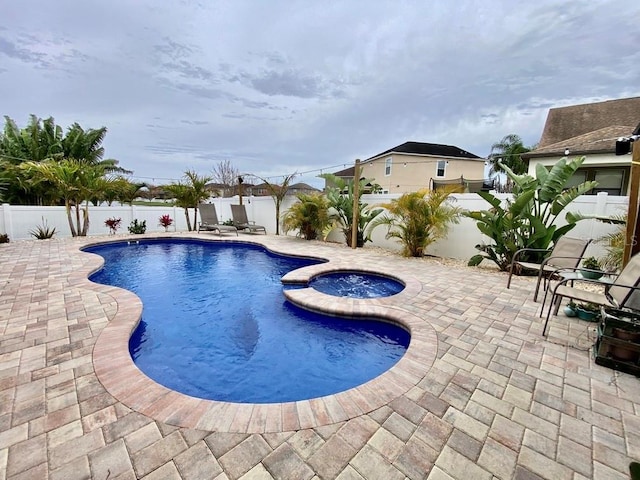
<point x="356" y="285"/>
<point x="215" y="324"/>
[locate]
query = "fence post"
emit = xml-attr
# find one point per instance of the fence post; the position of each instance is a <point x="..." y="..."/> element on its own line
<point x="8" y="224"/>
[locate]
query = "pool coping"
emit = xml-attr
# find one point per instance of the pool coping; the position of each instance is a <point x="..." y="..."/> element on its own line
<point x="120" y="376"/>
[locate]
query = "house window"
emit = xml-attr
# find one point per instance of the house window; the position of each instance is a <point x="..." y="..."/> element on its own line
<point x="387" y="166"/>
<point x="610" y="180"/>
<point x="440" y="168"/>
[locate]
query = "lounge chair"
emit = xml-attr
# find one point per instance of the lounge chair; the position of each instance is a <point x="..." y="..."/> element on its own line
<point x="209" y="220"/>
<point x="566" y="253"/>
<point x="241" y="222"/>
<point x="621" y="293"/>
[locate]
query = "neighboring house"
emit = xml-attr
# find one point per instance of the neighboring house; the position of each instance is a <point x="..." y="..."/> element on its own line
<point x="590" y="130"/>
<point x="222" y="190"/>
<point x="415" y="165"/>
<point x="262" y="189"/>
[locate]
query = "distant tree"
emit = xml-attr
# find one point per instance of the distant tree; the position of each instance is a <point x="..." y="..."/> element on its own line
<point x="226" y="174"/>
<point x="508" y="152"/>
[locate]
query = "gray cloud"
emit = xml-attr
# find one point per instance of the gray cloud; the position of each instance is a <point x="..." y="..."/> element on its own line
<point x="283" y="85"/>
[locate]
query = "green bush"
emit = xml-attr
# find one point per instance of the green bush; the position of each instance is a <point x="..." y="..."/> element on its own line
<point x="309" y="215"/>
<point x="138" y="227"/>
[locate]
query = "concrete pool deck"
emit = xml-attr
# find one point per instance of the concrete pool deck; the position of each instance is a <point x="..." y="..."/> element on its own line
<point x="481" y="394"/>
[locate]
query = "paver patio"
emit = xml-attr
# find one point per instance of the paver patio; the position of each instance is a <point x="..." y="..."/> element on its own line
<point x="482" y="394"/>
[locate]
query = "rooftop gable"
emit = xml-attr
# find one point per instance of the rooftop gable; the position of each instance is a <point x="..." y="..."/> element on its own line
<point x="564" y="123"/>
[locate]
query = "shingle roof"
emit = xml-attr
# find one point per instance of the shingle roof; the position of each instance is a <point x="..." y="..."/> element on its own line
<point x="566" y="123"/>
<point x="436" y="149"/>
<point x="418" y="148"/>
<point x="598" y="141"/>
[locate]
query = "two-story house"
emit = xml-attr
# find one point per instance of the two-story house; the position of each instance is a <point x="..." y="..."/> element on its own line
<point x="415" y="165"/>
<point x="590" y="130"/>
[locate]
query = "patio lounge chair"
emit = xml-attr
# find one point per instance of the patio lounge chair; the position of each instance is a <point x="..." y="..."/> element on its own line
<point x="621" y="293"/>
<point x="240" y="220"/>
<point x="209" y="220"/>
<point x="566" y="253"/>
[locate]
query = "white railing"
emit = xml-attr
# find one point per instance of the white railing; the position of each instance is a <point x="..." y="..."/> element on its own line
<point x="17" y="221"/>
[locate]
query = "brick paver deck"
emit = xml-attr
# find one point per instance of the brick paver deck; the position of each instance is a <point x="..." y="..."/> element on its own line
<point x="480" y="393"/>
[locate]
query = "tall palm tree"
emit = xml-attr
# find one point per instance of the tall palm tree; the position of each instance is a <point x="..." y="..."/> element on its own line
<point x="278" y="192"/>
<point x="508" y="151"/>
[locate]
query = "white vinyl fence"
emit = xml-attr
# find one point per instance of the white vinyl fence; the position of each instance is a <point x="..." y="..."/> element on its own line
<point x="18" y="221"/>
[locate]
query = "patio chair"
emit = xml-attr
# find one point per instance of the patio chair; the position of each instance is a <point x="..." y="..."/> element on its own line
<point x="209" y="220"/>
<point x="622" y="293"/>
<point x="240" y="220"/>
<point x="566" y="253"/>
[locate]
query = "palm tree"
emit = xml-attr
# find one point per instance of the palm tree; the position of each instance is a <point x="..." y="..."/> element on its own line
<point x="189" y="194"/>
<point x="419" y="218"/>
<point x="75" y="183"/>
<point x="278" y="192"/>
<point x="508" y="151"/>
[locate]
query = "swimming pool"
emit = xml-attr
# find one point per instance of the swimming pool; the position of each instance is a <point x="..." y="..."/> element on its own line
<point x="215" y="324"/>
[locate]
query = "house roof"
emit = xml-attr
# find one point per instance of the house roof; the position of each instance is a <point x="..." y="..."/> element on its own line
<point x="598" y="141"/>
<point x="418" y="148"/>
<point x="587" y="128"/>
<point x="435" y="149"/>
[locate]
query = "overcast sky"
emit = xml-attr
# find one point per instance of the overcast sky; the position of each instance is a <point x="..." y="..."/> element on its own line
<point x="277" y="86"/>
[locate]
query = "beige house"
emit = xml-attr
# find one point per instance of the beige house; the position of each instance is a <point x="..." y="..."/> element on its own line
<point x="590" y="130"/>
<point x="415" y="165"/>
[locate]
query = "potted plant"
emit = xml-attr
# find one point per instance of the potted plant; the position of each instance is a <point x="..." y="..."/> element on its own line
<point x="591" y="268"/>
<point x="113" y="224"/>
<point x="571" y="309"/>
<point x="588" y="311"/>
<point x="165" y="221"/>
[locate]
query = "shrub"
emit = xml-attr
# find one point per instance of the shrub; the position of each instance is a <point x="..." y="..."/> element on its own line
<point x="165" y="221"/>
<point x="113" y="224"/>
<point x="529" y="220"/>
<point x="417" y="219"/>
<point x="138" y="227"/>
<point x="4" y="238"/>
<point x="591" y="263"/>
<point x="43" y="232"/>
<point x="309" y="215"/>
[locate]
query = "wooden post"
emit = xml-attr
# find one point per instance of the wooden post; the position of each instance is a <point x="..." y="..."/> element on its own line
<point x="631" y="246"/>
<point x="240" y="182"/>
<point x="356" y="203"/>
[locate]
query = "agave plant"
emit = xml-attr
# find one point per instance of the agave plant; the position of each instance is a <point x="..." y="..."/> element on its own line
<point x="530" y="219"/>
<point x="417" y="219"/>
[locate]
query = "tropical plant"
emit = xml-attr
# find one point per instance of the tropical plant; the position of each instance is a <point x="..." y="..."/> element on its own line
<point x="113" y="224"/>
<point x="278" y="192"/>
<point x="189" y="194"/>
<point x="508" y="153"/>
<point x="43" y="141"/>
<point x="75" y="182"/>
<point x="530" y="219"/>
<point x="137" y="227"/>
<point x="4" y="238"/>
<point x="165" y="221"/>
<point x="309" y="215"/>
<point x="341" y="199"/>
<point x="417" y="219"/>
<point x="43" y="232"/>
